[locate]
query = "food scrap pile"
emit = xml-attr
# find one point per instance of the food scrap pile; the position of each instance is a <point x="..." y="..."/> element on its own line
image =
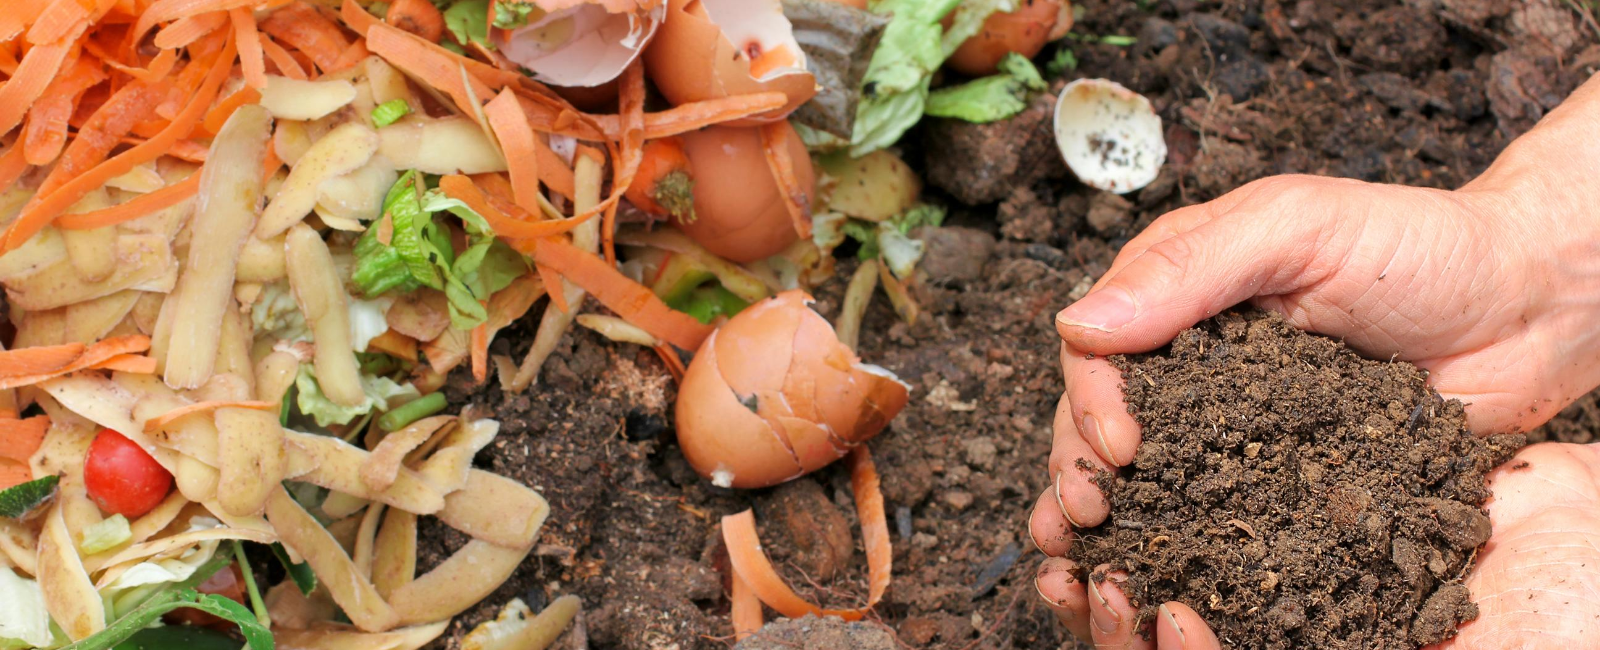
<point x="246" y="242"/>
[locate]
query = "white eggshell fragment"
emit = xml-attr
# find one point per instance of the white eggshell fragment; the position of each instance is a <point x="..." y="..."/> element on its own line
<point x="583" y="45"/>
<point x="1110" y="136"/>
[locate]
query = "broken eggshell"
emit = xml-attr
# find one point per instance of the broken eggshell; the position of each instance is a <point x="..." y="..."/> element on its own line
<point x="773" y="394"/>
<point x="709" y="49"/>
<point x="580" y="43"/>
<point x="1109" y="136"/>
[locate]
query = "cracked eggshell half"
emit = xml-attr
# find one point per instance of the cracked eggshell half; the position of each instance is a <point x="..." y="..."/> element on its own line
<point x="773" y="394"/>
<point x="1110" y="136"/>
<point x="580" y="43"/>
<point x="709" y="49"/>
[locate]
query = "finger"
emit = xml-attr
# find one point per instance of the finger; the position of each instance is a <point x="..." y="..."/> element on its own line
<point x="1073" y="468"/>
<point x="1177" y="222"/>
<point x="1112" y="618"/>
<point x="1101" y="416"/>
<point x="1262" y="245"/>
<point x="1058" y="586"/>
<point x="1179" y="628"/>
<point x="1048" y="526"/>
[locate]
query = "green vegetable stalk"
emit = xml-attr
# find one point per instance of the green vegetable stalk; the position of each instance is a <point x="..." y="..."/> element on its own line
<point x="412" y="411"/>
<point x="386" y="113"/>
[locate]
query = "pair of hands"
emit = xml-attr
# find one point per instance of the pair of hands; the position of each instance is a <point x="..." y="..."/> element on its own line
<point x="1494" y="289"/>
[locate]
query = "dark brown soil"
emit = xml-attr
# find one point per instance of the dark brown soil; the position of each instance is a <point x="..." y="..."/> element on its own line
<point x="1423" y="92"/>
<point x="1294" y="493"/>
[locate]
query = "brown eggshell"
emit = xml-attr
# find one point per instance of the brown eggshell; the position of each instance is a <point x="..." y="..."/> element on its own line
<point x="720" y="436"/>
<point x="691" y="60"/>
<point x="739" y="212"/>
<point x="1024" y="31"/>
<point x="809" y="393"/>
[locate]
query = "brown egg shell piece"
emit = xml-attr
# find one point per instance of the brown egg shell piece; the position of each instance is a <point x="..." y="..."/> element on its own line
<point x="691" y="59"/>
<point x="810" y="394"/>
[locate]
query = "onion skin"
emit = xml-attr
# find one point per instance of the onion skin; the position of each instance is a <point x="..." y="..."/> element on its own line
<point x="1024" y="31"/>
<point x="739" y="212"/>
<point x="690" y="60"/>
<point x="773" y="395"/>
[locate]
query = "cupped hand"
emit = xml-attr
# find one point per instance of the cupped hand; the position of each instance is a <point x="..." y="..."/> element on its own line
<point x="1494" y="289"/>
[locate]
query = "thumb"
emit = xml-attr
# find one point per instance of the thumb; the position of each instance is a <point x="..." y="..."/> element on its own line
<point x="1266" y="245"/>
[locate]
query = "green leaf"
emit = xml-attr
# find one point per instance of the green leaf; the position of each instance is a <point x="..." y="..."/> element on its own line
<point x="1062" y="62"/>
<point x="172" y="637"/>
<point x="991" y="98"/>
<point x="386" y="113"/>
<point x="708" y="302"/>
<point x="511" y="14"/>
<point x="379" y="391"/>
<point x="19" y="499"/>
<point x="176" y="596"/>
<point x="864" y="233"/>
<point x="921" y="215"/>
<point x="301" y="573"/>
<point x="896" y="83"/>
<point x="468" y="20"/>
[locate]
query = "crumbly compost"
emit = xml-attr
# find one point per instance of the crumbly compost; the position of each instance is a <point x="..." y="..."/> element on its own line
<point x="1294" y="493"/>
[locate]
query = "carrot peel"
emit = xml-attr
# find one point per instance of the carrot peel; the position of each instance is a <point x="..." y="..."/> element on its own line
<point x="751" y="564"/>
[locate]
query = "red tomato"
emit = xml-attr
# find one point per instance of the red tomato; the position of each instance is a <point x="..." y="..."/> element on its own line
<point x="122" y="478"/>
<point x="229" y="583"/>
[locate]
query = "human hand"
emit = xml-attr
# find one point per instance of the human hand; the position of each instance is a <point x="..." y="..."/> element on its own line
<point x="1534" y="582"/>
<point x="1493" y="288"/>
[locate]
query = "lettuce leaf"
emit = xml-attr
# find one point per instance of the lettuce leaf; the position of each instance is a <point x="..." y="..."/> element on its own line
<point x="419" y="253"/>
<point x="914" y="45"/>
<point x="24" y="621"/>
<point x="177" y="595"/>
<point x="468" y="21"/>
<point x="992" y="98"/>
<point x="382" y="393"/>
<point x="511" y="14"/>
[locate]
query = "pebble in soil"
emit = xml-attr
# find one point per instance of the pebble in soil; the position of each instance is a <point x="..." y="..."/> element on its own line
<point x="1293" y="493"/>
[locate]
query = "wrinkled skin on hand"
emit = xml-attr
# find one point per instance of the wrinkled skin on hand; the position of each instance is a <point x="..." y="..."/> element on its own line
<point x="1494" y="289"/>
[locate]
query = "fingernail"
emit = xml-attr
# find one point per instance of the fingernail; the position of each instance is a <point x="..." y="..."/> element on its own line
<point x="1103" y="618"/>
<point x="1104" y="310"/>
<point x="1039" y="590"/>
<point x="1092" y="431"/>
<point x="1063" y="504"/>
<point x="1171" y="622"/>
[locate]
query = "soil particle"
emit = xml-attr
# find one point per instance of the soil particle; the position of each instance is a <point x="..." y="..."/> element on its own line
<point x="1276" y="468"/>
<point x="954" y="254"/>
<point x="813" y="527"/>
<point x="812" y="632"/>
<point x="1109" y="213"/>
<point x="1023" y="216"/>
<point x="1578" y="423"/>
<point x="983" y="163"/>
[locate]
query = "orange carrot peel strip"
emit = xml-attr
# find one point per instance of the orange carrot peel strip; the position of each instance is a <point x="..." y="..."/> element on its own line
<point x="285" y="62"/>
<point x="189" y="29"/>
<point x="33" y="220"/>
<point x="23" y="367"/>
<point x="12" y="474"/>
<point x="520" y="226"/>
<point x="38" y="68"/>
<point x="302" y="27"/>
<point x="631" y="155"/>
<point x="19" y="439"/>
<point x="139" y="206"/>
<point x="751" y="564"/>
<point x="520" y="147"/>
<point x="747" y="618"/>
<point x="251" y="60"/>
<point x="775" y="140"/>
<point x="177" y="10"/>
<point x="632" y="301"/>
<point x="161" y="421"/>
